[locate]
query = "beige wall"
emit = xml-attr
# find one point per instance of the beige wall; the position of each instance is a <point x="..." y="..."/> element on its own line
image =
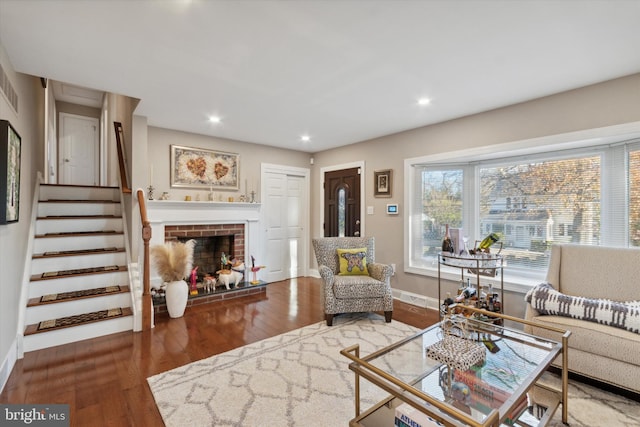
<point x="251" y="157"/>
<point x="29" y="123"/>
<point x="605" y="104"/>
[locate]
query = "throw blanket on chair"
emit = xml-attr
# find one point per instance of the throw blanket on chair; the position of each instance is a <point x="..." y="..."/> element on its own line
<point x="623" y="315"/>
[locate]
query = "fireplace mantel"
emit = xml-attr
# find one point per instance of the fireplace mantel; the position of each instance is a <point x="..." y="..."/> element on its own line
<point x="179" y="212"/>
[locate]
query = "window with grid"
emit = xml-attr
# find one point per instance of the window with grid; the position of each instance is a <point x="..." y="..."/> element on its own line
<point x="587" y="196"/>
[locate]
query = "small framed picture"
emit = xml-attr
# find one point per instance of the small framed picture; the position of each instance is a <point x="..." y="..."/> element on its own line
<point x="10" y="145"/>
<point x="382" y="183"/>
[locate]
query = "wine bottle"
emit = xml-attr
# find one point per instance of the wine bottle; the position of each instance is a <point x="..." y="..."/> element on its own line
<point x="488" y="241"/>
<point x="447" y="245"/>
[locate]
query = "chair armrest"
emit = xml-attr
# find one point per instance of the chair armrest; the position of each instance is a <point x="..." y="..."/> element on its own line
<point x="381" y="272"/>
<point x="327" y="275"/>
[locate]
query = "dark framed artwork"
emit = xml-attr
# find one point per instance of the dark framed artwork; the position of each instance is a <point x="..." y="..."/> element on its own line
<point x="382" y="183"/>
<point x="10" y="145"/>
<point x="205" y="169"/>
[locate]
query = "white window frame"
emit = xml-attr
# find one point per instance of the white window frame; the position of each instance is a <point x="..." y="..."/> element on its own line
<point x="585" y="140"/>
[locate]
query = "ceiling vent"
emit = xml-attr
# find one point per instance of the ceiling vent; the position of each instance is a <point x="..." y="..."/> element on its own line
<point x="7" y="89"/>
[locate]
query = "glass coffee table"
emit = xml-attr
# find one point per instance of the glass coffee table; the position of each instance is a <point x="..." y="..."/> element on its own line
<point x="492" y="392"/>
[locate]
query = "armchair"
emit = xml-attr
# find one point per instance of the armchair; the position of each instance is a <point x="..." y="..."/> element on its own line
<point x="352" y="293"/>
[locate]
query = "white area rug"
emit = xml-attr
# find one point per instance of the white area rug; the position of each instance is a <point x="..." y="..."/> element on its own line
<point x="300" y="379"/>
<point x="295" y="379"/>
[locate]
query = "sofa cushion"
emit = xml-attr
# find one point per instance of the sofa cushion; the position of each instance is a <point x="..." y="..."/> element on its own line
<point x="624" y="315"/>
<point x="353" y="261"/>
<point x="593" y="338"/>
<point x="358" y="287"/>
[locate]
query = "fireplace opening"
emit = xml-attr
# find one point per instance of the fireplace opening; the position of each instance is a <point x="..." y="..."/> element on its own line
<point x="212" y="240"/>
<point x="208" y="253"/>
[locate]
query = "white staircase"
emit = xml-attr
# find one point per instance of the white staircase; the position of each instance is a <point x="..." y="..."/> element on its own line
<point x="79" y="285"/>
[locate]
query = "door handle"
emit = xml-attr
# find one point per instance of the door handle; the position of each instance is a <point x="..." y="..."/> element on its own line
<point x="67" y="160"/>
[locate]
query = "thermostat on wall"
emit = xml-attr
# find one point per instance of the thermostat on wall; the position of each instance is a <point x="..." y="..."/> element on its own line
<point x="392" y="209"/>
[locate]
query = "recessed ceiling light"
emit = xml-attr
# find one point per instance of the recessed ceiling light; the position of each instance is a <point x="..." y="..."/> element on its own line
<point x="305" y="138"/>
<point x="424" y="101"/>
<point x="214" y="119"/>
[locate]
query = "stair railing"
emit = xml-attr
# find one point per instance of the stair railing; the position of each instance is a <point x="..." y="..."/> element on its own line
<point x="122" y="162"/>
<point x="146" y="302"/>
<point x="146" y="282"/>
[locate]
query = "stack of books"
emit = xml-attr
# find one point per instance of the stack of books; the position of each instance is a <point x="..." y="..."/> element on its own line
<point x="486" y="396"/>
<point x="408" y="416"/>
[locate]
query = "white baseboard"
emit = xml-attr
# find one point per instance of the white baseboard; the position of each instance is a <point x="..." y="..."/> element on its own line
<point x="416" y="299"/>
<point x="7" y="364"/>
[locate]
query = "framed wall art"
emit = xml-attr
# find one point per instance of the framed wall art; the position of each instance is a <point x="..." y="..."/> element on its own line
<point x="204" y="169"/>
<point x="382" y="183"/>
<point x="10" y="145"/>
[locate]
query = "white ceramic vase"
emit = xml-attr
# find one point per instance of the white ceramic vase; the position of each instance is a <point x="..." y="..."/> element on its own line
<point x="176" y="296"/>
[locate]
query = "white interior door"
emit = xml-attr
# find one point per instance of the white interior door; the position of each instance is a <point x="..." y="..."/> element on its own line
<point x="78" y="154"/>
<point x="285" y="201"/>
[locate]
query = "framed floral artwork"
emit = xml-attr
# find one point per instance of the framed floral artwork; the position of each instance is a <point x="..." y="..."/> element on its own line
<point x="204" y="169"/>
<point x="10" y="145"/>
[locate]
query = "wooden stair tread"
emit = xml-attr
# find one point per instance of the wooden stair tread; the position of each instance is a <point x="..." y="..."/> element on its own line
<point x="78" y="272"/>
<point x="77" y="295"/>
<point x="43" y="218"/>
<point x="77" y="320"/>
<point x="79" y="233"/>
<point x="97" y="251"/>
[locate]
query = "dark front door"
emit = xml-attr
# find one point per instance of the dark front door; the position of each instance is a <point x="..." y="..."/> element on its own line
<point x="342" y="203"/>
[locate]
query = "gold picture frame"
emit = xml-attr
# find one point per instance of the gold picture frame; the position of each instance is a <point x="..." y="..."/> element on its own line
<point x="204" y="169"/>
<point x="382" y="184"/>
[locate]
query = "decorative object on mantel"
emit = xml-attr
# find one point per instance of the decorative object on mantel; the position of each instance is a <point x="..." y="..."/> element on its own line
<point x="164" y="196"/>
<point x="254" y="269"/>
<point x="228" y="277"/>
<point x="202" y="168"/>
<point x="209" y="283"/>
<point x="193" y="281"/>
<point x="150" y="192"/>
<point x="173" y="261"/>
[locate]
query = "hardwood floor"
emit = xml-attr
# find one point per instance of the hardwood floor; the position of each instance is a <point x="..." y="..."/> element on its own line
<point x="104" y="379"/>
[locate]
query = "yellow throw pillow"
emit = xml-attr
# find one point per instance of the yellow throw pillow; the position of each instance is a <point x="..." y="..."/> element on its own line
<point x="353" y="262"/>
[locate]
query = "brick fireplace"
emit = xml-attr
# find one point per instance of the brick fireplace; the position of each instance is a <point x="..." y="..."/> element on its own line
<point x="172" y="219"/>
<point x="234" y="226"/>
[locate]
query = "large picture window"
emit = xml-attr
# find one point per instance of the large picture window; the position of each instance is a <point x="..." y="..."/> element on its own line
<point x="588" y="196"/>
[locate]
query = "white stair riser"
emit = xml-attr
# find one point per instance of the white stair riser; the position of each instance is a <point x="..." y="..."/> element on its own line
<point x="77" y="193"/>
<point x="71" y="308"/>
<point x="67" y="243"/>
<point x="45" y="226"/>
<point x="69" y="284"/>
<point x="70" y="209"/>
<point x="42" y="265"/>
<point x="78" y="333"/>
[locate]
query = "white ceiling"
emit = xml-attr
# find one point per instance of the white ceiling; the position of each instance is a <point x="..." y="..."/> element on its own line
<point x="339" y="71"/>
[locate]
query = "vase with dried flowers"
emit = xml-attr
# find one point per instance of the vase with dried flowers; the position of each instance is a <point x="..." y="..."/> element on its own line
<point x="173" y="261"/>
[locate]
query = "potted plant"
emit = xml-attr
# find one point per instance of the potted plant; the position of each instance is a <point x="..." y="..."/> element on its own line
<point x="173" y="261"/>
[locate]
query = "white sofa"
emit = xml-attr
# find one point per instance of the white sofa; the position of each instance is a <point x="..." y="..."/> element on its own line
<point x="605" y="353"/>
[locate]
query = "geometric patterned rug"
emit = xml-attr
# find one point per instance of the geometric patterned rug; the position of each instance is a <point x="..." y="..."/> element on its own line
<point x="300" y="378"/>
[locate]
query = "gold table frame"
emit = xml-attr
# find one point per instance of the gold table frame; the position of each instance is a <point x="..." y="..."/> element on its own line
<point x="402" y="390"/>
